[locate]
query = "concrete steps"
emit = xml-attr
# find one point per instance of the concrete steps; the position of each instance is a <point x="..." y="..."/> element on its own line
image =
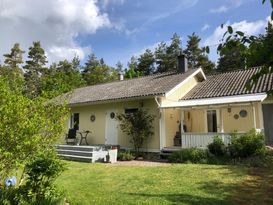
<point x="82" y="153"/>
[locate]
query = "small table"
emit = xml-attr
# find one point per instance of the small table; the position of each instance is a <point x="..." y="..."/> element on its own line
<point x="83" y="135"/>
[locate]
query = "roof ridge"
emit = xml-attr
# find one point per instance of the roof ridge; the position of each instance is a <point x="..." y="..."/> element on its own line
<point x="140" y="77"/>
<point x="234" y="71"/>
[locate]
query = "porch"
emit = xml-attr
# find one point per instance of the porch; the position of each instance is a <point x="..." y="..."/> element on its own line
<point x="196" y="126"/>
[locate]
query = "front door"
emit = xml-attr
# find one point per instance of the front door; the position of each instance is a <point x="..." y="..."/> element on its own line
<point x="111" y="128"/>
<point x="268" y="122"/>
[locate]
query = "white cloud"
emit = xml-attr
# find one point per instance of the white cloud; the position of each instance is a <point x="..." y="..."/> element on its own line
<point x="230" y="4"/>
<point x="220" y="9"/>
<point x="106" y="3"/>
<point x="250" y="28"/>
<point x="205" y="27"/>
<point x="56" y="23"/>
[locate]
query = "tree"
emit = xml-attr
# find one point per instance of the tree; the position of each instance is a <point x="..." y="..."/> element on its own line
<point x="96" y="71"/>
<point x="15" y="57"/>
<point x="132" y="70"/>
<point x="138" y="125"/>
<point x="27" y="127"/>
<point x="197" y="56"/>
<point x="146" y="62"/>
<point x="256" y="48"/>
<point x="34" y="69"/>
<point x="61" y="78"/>
<point x="232" y="56"/>
<point x="13" y="60"/>
<point x="166" y="56"/>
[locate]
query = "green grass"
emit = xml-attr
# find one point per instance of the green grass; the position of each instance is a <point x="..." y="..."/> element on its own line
<point x="85" y="183"/>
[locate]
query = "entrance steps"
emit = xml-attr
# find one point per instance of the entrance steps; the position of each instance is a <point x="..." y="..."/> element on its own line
<point x="82" y="153"/>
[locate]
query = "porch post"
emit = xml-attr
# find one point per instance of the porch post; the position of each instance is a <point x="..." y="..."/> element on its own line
<point x="162" y="128"/>
<point x="221" y="121"/>
<point x="261" y="119"/>
<point x="182" y="120"/>
<point x="254" y="116"/>
<point x="182" y="127"/>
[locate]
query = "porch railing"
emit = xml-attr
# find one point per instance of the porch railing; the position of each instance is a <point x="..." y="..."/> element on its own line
<point x="201" y="140"/>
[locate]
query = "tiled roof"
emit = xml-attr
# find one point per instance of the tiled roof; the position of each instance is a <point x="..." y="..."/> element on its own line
<point x="229" y="84"/>
<point x="137" y="87"/>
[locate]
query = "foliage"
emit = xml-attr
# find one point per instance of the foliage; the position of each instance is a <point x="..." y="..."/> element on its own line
<point x="247" y="145"/>
<point x="217" y="147"/>
<point x="34" y="68"/>
<point x="146" y="62"/>
<point x="192" y="155"/>
<point x="197" y="56"/>
<point x="125" y="156"/>
<point x="138" y="125"/>
<point x="257" y="50"/>
<point x="232" y="56"/>
<point x="61" y="78"/>
<point x="132" y="70"/>
<point x="38" y="187"/>
<point x="166" y="56"/>
<point x="96" y="71"/>
<point x="27" y="127"/>
<point x="15" y="57"/>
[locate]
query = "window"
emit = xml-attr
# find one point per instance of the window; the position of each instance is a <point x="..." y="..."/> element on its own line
<point x="212" y="121"/>
<point x="75" y="121"/>
<point x="130" y="111"/>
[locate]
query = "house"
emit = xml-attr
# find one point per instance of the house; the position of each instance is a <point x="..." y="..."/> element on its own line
<point x="190" y="108"/>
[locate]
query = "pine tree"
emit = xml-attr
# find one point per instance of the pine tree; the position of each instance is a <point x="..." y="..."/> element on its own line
<point x="146" y="62"/>
<point x="166" y="56"/>
<point x="35" y="68"/>
<point x="196" y="55"/>
<point x="14" y="59"/>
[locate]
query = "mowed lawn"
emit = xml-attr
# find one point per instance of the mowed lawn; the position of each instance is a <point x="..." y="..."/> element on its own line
<point x="85" y="183"/>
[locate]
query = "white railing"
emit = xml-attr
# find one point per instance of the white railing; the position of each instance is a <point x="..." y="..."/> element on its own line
<point x="201" y="140"/>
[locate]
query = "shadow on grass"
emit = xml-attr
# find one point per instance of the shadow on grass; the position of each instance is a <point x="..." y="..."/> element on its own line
<point x="183" y="198"/>
<point x="256" y="188"/>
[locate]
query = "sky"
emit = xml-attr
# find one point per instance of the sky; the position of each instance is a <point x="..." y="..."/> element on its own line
<point x="118" y="29"/>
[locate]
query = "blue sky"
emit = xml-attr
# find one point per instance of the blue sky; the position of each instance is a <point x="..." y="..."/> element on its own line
<point x="118" y="29"/>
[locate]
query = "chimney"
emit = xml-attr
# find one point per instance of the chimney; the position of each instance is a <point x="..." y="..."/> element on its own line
<point x="182" y="62"/>
<point x="120" y="76"/>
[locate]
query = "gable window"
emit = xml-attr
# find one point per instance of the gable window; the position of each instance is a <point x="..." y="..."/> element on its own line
<point x="130" y="111"/>
<point x="75" y="121"/>
<point x="212" y="121"/>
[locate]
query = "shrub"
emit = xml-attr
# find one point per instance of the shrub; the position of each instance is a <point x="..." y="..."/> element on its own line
<point x="217" y="147"/>
<point x="192" y="155"/>
<point x="247" y="145"/>
<point x="138" y="126"/>
<point x="38" y="187"/>
<point x="125" y="156"/>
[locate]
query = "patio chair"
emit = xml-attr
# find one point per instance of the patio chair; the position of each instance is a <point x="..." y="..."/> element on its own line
<point x="71" y="137"/>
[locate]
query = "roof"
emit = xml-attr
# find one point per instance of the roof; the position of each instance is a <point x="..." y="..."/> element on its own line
<point x="152" y="85"/>
<point x="230" y="84"/>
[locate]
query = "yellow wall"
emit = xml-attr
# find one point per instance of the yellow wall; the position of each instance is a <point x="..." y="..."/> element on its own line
<point x="98" y="126"/>
<point x="172" y="121"/>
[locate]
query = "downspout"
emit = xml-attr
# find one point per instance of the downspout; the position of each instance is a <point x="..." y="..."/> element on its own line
<point x="156" y="100"/>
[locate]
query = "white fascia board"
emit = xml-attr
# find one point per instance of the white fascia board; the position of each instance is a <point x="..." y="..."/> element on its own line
<point x="199" y="70"/>
<point x="217" y="101"/>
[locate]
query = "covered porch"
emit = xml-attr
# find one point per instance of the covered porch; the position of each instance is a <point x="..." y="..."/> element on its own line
<point x="194" y="123"/>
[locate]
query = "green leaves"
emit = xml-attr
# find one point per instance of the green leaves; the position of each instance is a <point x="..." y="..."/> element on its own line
<point x="230" y="29"/>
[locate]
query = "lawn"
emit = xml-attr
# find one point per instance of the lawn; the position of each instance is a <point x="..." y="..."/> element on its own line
<point x="85" y="183"/>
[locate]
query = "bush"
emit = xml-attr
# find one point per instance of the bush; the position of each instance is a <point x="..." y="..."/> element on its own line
<point x="125" y="156"/>
<point x="192" y="155"/>
<point x="247" y="145"/>
<point x="217" y="147"/>
<point x="38" y="187"/>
